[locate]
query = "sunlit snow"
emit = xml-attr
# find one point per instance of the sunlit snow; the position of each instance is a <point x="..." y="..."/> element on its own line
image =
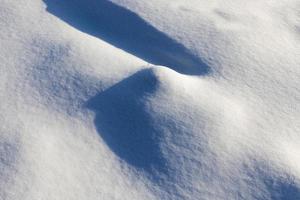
<point x="149" y="100"/>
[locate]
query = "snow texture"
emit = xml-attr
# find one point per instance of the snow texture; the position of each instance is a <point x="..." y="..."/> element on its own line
<point x="149" y="99"/>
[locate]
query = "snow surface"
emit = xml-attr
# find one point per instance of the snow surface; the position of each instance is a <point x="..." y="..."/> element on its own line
<point x="150" y="99"/>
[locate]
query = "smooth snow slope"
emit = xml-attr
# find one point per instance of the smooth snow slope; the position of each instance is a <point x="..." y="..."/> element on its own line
<point x="136" y="99"/>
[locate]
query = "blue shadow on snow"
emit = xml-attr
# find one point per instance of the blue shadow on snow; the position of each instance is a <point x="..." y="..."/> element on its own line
<point x="279" y="186"/>
<point x="283" y="190"/>
<point x="126" y="30"/>
<point x="124" y="123"/>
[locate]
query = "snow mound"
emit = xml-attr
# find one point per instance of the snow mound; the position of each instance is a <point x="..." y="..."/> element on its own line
<point x="131" y="99"/>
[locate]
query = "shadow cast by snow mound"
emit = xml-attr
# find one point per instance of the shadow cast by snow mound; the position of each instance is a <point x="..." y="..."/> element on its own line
<point x="282" y="189"/>
<point x="126" y="30"/>
<point x="124" y="123"/>
<point x="278" y="185"/>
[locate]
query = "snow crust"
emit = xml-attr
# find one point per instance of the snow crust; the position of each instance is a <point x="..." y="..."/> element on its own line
<point x="136" y="99"/>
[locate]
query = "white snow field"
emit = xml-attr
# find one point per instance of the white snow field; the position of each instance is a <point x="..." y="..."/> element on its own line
<point x="150" y="100"/>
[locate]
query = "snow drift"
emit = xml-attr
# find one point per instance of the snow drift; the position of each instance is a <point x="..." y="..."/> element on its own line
<point x="128" y="99"/>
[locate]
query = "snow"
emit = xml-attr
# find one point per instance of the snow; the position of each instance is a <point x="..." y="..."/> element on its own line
<point x="136" y="99"/>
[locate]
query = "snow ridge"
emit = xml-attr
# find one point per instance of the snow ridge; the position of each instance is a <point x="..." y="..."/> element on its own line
<point x="132" y="99"/>
<point x="127" y="31"/>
